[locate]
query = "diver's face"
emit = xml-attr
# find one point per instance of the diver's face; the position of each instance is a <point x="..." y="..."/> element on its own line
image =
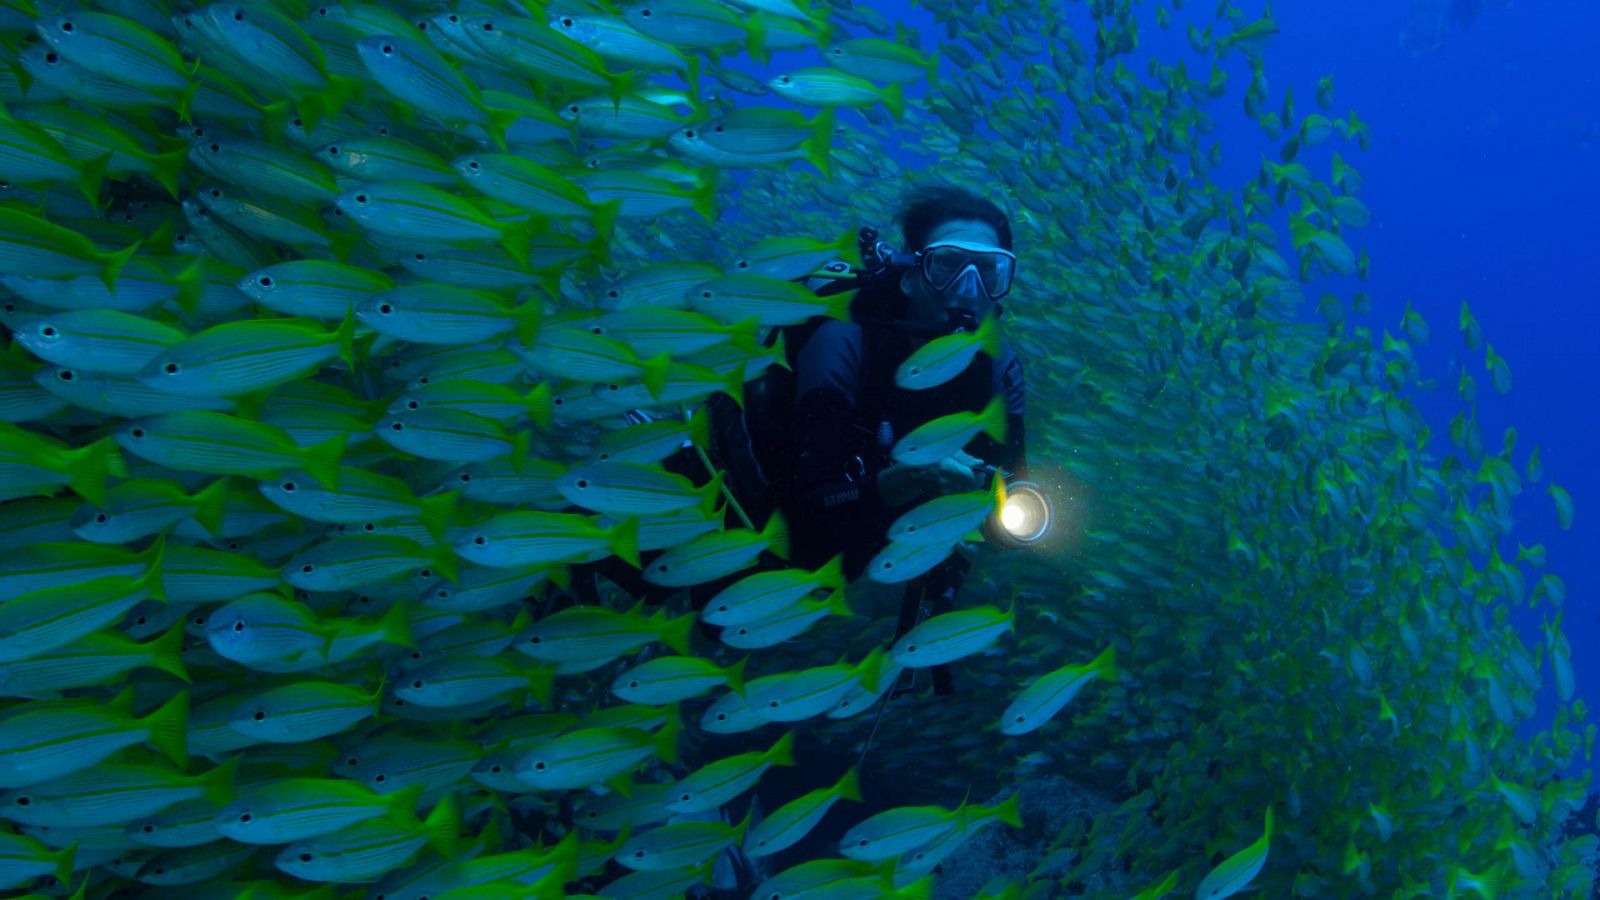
<point x="966" y="293"/>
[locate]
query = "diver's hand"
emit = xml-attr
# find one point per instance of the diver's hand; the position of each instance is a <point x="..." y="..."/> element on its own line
<point x="901" y="484"/>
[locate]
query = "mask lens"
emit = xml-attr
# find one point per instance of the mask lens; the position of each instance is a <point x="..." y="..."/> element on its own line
<point x="941" y="265"/>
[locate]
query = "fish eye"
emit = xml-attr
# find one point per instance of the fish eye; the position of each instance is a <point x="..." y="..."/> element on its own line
<point x="386" y="308"/>
<point x="583" y="482"/>
<point x="238" y="15"/>
<point x="638" y="854"/>
<point x="911" y="648"/>
<point x="296" y="122"/>
<point x="688" y="133"/>
<point x="65" y="375"/>
<point x="216" y="194"/>
<point x="67" y="26"/>
<point x="388" y="49"/>
<point x="52" y="58"/>
<point x="305" y="857"/>
<point x="538" y="767"/>
<point x="290" y="487"/>
<point x="398" y="426"/>
<point x="719" y="128"/>
<point x="24" y="800"/>
<point x="420" y="257"/>
<point x="148" y="828"/>
<point x="215" y="147"/>
<point x="308" y="568"/>
<point x="495" y="769"/>
<point x="473" y="165"/>
<point x="244" y="817"/>
<point x="566" y="23"/>
<point x="238" y="627"/>
<point x="464" y="477"/>
<point x="352" y="761"/>
<point x="422" y="26"/>
<point x="101" y="519"/>
<point x="488" y="26"/>
<point x="380" y="778"/>
<point x="453" y="18"/>
<point x="480" y="540"/>
<point x="49" y="331"/>
<point x="645" y="12"/>
<point x="413" y="405"/>
<point x="260" y="716"/>
<point x="137" y="432"/>
<point x="170" y="368"/>
<point x="333" y="149"/>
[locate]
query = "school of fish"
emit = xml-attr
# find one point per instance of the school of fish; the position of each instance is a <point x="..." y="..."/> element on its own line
<point x="323" y="321"/>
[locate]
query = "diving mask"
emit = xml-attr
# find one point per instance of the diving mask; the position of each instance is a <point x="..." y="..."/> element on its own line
<point x="945" y="262"/>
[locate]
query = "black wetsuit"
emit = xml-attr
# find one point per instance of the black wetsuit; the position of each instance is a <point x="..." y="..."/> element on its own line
<point x="848" y="415"/>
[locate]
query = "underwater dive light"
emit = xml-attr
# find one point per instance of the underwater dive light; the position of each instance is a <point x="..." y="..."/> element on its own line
<point x="1023" y="520"/>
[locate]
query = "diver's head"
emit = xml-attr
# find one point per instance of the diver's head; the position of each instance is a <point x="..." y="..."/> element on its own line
<point x="964" y="262"/>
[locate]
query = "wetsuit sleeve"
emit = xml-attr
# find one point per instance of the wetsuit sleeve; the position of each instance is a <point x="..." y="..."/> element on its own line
<point x="828" y="479"/>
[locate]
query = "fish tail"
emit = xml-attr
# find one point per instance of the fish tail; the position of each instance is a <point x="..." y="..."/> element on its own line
<point x="169" y="729"/>
<point x="656" y="370"/>
<point x="734" y="386"/>
<point x="666" y="741"/>
<point x="442" y="826"/>
<point x="541" y="685"/>
<point x="166" y="652"/>
<point x="994" y="418"/>
<point x="782" y="752"/>
<point x="849" y="786"/>
<point x="211" y="506"/>
<point x="1009" y="812"/>
<point x="625" y="541"/>
<point x="756" y="43"/>
<point x="88" y="467"/>
<point x="218" y="783"/>
<point x="444" y="562"/>
<point x="165" y="169"/>
<point x="704" y="200"/>
<point x="894" y="98"/>
<point x="711" y="493"/>
<point x="776" y="534"/>
<point x="517" y="239"/>
<point x="831" y="573"/>
<point x="988" y="336"/>
<point x="63" y="859"/>
<point x="700" y="435"/>
<point x="112" y="264"/>
<point x="501" y="120"/>
<point x="540" y="405"/>
<point x="735" y="675"/>
<point x="1105" y="665"/>
<point x="90" y="174"/>
<point x="604" y="218"/>
<point x="152" y="557"/>
<point x="438" y="511"/>
<point x="322" y="461"/>
<point x="675" y="632"/>
<point x="395" y="626"/>
<point x="837" y="605"/>
<point x="344" y="337"/>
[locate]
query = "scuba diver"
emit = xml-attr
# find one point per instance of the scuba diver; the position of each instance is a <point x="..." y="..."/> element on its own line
<point x="819" y="433"/>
